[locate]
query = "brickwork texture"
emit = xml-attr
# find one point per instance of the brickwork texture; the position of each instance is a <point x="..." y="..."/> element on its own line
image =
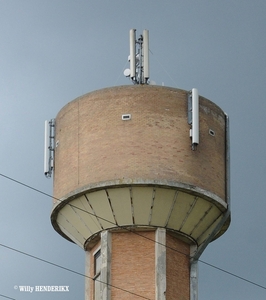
<point x="96" y="145"/>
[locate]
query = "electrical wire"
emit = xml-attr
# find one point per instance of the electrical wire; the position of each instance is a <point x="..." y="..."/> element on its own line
<point x="46" y="261"/>
<point x="7" y="297"/>
<point x="69" y="270"/>
<point x="92" y="214"/>
<point x="121" y="73"/>
<point x="50" y="196"/>
<point x="232" y="274"/>
<point x="163" y="68"/>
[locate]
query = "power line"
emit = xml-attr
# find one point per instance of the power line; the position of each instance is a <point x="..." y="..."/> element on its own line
<point x="232" y="274"/>
<point x="210" y="265"/>
<point x="163" y="68"/>
<point x="46" y="261"/>
<point x="92" y="214"/>
<point x="7" y="297"/>
<point x="69" y="270"/>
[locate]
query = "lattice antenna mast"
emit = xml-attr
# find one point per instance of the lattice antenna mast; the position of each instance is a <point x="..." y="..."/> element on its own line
<point x="138" y="58"/>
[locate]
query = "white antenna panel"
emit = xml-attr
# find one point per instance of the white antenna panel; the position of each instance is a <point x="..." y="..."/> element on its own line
<point x="146" y="54"/>
<point x="132" y="42"/>
<point x="195" y="117"/>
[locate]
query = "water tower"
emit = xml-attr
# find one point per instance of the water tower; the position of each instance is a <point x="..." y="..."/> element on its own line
<point x="141" y="183"/>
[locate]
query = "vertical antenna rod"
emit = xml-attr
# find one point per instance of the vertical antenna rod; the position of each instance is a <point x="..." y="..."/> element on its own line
<point x="132" y="55"/>
<point x="193" y="117"/>
<point x="146" y="55"/>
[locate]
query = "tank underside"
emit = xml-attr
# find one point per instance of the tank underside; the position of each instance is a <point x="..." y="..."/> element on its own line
<point x="186" y="210"/>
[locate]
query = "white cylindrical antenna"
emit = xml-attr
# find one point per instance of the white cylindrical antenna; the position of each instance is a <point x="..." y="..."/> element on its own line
<point x="46" y="147"/>
<point x="195" y="117"/>
<point x="132" y="46"/>
<point x="146" y="54"/>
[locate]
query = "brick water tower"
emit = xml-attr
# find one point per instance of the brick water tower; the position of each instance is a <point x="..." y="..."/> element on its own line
<point x="141" y="183"/>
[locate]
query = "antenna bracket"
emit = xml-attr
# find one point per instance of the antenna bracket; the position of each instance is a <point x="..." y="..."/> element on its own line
<point x="49" y="146"/>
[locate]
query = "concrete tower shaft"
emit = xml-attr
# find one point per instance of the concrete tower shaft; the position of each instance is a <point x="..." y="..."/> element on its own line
<point x="139" y="170"/>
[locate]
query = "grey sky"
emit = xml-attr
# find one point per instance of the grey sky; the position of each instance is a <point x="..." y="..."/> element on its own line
<point x="56" y="50"/>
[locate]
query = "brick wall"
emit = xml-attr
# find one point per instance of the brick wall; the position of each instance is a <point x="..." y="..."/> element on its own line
<point x="96" y="145"/>
<point x="133" y="265"/>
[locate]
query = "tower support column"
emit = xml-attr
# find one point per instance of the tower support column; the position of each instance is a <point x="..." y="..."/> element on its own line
<point x="106" y="251"/>
<point x="194" y="280"/>
<point x="160" y="262"/>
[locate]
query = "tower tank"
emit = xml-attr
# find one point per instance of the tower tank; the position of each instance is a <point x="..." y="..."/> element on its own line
<point x="128" y="182"/>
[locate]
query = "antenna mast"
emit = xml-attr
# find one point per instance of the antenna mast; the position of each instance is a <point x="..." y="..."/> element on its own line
<point x="138" y="58"/>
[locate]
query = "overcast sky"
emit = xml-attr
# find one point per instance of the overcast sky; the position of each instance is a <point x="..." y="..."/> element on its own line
<point x="53" y="51"/>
